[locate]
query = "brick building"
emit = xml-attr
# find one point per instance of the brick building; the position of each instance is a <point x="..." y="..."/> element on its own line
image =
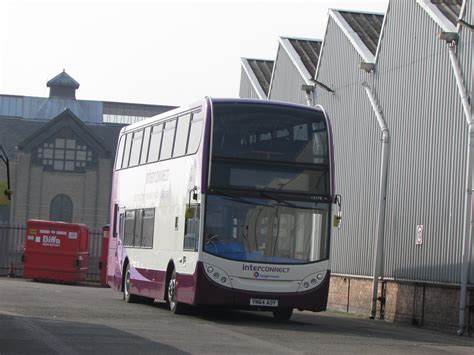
<point x="61" y="153"/>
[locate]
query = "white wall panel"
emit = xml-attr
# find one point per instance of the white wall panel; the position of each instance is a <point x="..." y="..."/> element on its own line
<point x="246" y="91"/>
<point x="286" y="82"/>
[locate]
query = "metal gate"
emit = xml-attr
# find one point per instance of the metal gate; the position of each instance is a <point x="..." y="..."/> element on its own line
<point x="12" y="241"/>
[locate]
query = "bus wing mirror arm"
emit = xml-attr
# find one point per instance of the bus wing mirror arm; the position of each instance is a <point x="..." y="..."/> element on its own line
<point x="193" y="193"/>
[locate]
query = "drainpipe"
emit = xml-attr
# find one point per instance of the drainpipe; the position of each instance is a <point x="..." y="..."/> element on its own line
<point x="467" y="235"/>
<point x="309" y="90"/>
<point x="378" y="253"/>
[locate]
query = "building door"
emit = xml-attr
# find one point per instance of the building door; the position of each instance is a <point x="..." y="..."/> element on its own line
<point x="61" y="208"/>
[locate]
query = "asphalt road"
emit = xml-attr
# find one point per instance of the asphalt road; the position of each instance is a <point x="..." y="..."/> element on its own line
<point x="41" y="318"/>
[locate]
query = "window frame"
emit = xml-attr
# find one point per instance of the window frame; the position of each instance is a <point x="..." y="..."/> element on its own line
<point x="138" y="223"/>
<point x="125" y="145"/>
<point x="133" y="146"/>
<point x="185" y="138"/>
<point x="171" y="144"/>
<point x="200" y="118"/>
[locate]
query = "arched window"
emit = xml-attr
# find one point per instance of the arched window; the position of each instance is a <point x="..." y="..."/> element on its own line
<point x="61" y="208"/>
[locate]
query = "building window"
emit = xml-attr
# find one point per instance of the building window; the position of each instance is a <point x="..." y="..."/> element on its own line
<point x="61" y="208"/>
<point x="65" y="154"/>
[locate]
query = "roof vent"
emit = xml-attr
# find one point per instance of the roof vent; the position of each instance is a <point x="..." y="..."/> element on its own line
<point x="63" y="85"/>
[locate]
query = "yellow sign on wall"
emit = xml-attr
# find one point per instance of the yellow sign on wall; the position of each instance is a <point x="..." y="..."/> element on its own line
<point x="3" y="195"/>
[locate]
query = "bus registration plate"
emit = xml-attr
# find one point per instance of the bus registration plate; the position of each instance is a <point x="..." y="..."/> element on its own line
<point x="262" y="302"/>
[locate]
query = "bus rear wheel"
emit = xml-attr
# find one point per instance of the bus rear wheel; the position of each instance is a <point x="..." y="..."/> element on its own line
<point x="175" y="306"/>
<point x="127" y="283"/>
<point x="282" y="314"/>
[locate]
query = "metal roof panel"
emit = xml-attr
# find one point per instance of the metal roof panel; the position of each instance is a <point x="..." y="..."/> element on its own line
<point x="63" y="79"/>
<point x="367" y="26"/>
<point x="449" y="8"/>
<point x="263" y="72"/>
<point x="308" y="51"/>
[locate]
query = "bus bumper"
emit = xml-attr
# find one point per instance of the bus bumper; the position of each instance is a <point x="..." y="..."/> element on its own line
<point x="208" y="292"/>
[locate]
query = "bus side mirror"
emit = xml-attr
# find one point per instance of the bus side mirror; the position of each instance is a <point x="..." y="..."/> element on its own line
<point x="337" y="216"/>
<point x="189" y="214"/>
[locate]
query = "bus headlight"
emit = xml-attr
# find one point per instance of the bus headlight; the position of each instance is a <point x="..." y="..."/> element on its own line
<point x="217" y="275"/>
<point x="312" y="281"/>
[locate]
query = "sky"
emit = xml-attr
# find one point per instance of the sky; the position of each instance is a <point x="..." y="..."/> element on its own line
<point x="157" y="51"/>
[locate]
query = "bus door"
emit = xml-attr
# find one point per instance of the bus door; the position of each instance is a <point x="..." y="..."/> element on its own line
<point x="115" y="257"/>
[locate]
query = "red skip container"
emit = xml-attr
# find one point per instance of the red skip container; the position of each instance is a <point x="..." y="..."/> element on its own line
<point x="56" y="251"/>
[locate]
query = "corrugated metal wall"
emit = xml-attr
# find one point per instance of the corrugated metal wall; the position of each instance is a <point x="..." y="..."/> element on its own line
<point x="246" y="89"/>
<point x="357" y="152"/>
<point x="415" y="85"/>
<point x="11" y="106"/>
<point x="287" y="81"/>
<point x="417" y="91"/>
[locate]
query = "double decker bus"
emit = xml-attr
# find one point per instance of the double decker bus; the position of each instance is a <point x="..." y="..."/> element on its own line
<point x="224" y="202"/>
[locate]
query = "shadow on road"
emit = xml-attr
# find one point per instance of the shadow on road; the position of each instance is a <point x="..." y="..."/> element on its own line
<point x="327" y="323"/>
<point x="28" y="335"/>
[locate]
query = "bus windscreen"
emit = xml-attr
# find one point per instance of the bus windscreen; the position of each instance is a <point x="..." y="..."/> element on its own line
<point x="258" y="131"/>
<point x="258" y="147"/>
<point x="260" y="230"/>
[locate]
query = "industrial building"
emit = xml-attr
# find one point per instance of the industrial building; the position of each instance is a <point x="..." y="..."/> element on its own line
<point x="255" y="78"/>
<point x="398" y="90"/>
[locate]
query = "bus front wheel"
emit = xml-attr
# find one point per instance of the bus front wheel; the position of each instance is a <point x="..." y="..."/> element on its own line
<point x="175" y="306"/>
<point x="282" y="314"/>
<point x="127" y="283"/>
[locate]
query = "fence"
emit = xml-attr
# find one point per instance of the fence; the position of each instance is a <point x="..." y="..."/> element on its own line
<point x="12" y="241"/>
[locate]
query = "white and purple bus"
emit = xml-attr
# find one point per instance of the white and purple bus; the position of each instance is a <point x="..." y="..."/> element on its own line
<point x="225" y="202"/>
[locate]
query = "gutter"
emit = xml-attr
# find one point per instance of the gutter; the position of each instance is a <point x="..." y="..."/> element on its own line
<point x="379" y="241"/>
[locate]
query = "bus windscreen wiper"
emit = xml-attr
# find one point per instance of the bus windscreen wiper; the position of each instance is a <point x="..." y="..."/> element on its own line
<point x="279" y="200"/>
<point x="236" y="198"/>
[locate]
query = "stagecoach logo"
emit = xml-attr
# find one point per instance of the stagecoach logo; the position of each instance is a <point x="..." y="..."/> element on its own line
<point x="266" y="272"/>
<point x="51" y="241"/>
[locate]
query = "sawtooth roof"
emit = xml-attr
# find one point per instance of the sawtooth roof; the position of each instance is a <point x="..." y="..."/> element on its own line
<point x="449" y="8"/>
<point x="263" y="72"/>
<point x="367" y="26"/>
<point x="308" y="51"/>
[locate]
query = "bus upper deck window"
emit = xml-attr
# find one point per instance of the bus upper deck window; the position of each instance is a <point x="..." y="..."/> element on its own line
<point x="155" y="142"/>
<point x="181" y="135"/>
<point x="195" y="133"/>
<point x="168" y="138"/>
<point x="146" y="141"/>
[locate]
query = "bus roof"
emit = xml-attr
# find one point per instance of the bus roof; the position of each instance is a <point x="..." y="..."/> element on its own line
<point x="208" y="100"/>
